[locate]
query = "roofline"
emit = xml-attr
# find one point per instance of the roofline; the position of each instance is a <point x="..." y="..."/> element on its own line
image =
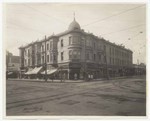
<point x="79" y="31"/>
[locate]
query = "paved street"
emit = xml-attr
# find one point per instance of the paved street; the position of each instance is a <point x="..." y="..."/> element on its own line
<point x="119" y="97"/>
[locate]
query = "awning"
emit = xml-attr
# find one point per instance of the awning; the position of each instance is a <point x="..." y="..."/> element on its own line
<point x="44" y="72"/>
<point x="52" y="71"/>
<point x="49" y="71"/>
<point x="36" y="70"/>
<point x="9" y="73"/>
<point x="29" y="72"/>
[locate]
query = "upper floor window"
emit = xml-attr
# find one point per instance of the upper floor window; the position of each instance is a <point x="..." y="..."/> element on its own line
<point x="110" y="60"/>
<point x="25" y="62"/>
<point x="94" y="57"/>
<point x="42" y="59"/>
<point x="62" y="43"/>
<point x="104" y="47"/>
<point x="94" y="45"/>
<point x="70" y="41"/>
<point x="47" y="46"/>
<point x="51" y="57"/>
<point x="51" y="44"/>
<point x="42" y="48"/>
<point x="99" y="56"/>
<point x="62" y="55"/>
<point x="29" y="62"/>
<point x="54" y="57"/>
<point x="74" y="54"/>
<point x="113" y="51"/>
<point x="28" y="53"/>
<point x="47" y="58"/>
<point x="25" y="52"/>
<point x="88" y="56"/>
<point x="70" y="54"/>
<point x="104" y="59"/>
<point x="110" y="50"/>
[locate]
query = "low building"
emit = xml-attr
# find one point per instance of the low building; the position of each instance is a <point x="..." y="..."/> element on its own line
<point x="12" y="65"/>
<point x="139" y="69"/>
<point x="77" y="54"/>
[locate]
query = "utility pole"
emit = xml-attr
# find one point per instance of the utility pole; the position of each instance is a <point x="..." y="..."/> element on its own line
<point x="85" y="67"/>
<point x="45" y="61"/>
<point x="107" y="73"/>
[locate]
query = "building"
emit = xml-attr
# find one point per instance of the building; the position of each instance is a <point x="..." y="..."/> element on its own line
<point x="139" y="69"/>
<point x="77" y="54"/>
<point x="12" y="65"/>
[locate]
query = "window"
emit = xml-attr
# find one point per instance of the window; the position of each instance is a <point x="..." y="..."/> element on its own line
<point x="70" y="41"/>
<point x="42" y="48"/>
<point x="54" y="57"/>
<point x="87" y="42"/>
<point x="104" y="48"/>
<point x="75" y="54"/>
<point x="94" y="57"/>
<point x="25" y="61"/>
<point x="25" y="52"/>
<point x="62" y="43"/>
<point x="51" y="57"/>
<point x="62" y="55"/>
<point x="47" y="58"/>
<point x="28" y="53"/>
<point x="47" y="46"/>
<point x="99" y="55"/>
<point x="113" y="52"/>
<point x="70" y="54"/>
<point x="42" y="59"/>
<point x="51" y="44"/>
<point x="79" y="54"/>
<point x="110" y="60"/>
<point x="104" y="59"/>
<point x="87" y="56"/>
<point x="94" y="45"/>
<point x="29" y="62"/>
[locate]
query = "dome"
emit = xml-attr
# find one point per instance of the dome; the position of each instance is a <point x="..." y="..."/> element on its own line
<point x="74" y="25"/>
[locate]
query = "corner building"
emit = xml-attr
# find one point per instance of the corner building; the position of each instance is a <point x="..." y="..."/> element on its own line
<point x="77" y="54"/>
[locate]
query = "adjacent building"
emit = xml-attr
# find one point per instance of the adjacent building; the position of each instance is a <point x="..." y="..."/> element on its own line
<point x="12" y="65"/>
<point x="76" y="54"/>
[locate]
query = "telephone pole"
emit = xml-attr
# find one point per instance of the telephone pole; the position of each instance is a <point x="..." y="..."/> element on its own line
<point x="107" y="73"/>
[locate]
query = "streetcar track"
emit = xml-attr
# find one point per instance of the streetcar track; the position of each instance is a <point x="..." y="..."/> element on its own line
<point x="117" y="83"/>
<point x="37" y="100"/>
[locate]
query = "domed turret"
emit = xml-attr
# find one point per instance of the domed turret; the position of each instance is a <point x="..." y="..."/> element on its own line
<point x="74" y="25"/>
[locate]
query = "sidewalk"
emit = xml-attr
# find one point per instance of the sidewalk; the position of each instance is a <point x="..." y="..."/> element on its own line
<point x="70" y="81"/>
<point x="49" y="80"/>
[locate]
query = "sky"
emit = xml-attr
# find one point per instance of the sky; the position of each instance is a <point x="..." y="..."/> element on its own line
<point x="119" y="23"/>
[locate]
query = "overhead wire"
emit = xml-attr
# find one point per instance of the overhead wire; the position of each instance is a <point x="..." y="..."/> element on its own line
<point x="25" y="27"/>
<point x="112" y="16"/>
<point x="132" y="27"/>
<point x="43" y="13"/>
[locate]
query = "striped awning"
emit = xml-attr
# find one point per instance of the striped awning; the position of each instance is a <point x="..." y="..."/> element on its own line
<point x="49" y="71"/>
